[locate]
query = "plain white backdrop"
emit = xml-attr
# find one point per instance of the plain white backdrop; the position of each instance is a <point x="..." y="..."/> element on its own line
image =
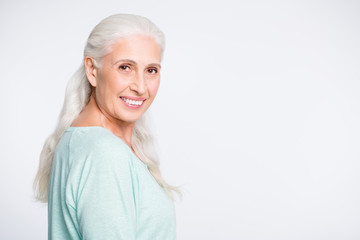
<point x="257" y="116"/>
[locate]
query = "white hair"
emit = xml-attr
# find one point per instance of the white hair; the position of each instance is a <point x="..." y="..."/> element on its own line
<point x="78" y="91"/>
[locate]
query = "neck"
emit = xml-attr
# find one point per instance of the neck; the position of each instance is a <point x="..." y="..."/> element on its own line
<point x="119" y="128"/>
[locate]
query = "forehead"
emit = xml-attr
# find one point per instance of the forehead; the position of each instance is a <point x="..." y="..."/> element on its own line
<point x="139" y="48"/>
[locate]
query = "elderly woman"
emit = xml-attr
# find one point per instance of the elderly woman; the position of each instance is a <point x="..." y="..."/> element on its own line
<point x="98" y="170"/>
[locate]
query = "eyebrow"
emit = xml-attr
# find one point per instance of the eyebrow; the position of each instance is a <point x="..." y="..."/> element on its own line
<point x="134" y="63"/>
<point x="155" y="65"/>
<point x="125" y="60"/>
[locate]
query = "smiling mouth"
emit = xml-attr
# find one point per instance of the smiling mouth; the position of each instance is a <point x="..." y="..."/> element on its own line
<point x="132" y="103"/>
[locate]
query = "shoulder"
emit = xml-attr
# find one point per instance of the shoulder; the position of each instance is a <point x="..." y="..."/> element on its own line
<point x="98" y="163"/>
<point x="96" y="144"/>
<point x="93" y="137"/>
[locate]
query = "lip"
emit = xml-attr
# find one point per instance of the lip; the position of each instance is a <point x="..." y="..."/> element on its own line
<point x="135" y="99"/>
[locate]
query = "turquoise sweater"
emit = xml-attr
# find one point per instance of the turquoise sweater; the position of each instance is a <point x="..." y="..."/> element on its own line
<point x="99" y="189"/>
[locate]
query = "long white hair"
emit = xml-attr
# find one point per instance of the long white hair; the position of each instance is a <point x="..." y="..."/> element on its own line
<point x="78" y="91"/>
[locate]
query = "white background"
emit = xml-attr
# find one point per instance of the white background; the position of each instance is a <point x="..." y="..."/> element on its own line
<point x="257" y="115"/>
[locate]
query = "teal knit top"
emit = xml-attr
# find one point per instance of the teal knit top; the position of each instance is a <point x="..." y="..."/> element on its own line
<point x="99" y="189"/>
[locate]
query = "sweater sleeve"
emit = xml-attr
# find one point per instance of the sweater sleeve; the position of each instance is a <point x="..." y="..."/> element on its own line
<point x="103" y="190"/>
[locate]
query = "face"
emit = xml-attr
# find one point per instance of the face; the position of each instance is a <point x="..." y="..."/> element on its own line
<point x="127" y="79"/>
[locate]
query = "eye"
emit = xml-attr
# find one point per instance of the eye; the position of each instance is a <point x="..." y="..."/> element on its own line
<point x="124" y="67"/>
<point x="152" y="70"/>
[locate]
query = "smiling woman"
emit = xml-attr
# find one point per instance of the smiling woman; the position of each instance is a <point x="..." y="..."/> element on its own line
<point x="125" y="83"/>
<point x="98" y="170"/>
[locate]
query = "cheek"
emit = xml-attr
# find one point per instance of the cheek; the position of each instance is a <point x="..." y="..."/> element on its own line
<point x="107" y="92"/>
<point x="118" y="86"/>
<point x="153" y="86"/>
<point x="114" y="85"/>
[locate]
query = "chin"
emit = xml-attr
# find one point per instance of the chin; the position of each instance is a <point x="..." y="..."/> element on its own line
<point x="130" y="119"/>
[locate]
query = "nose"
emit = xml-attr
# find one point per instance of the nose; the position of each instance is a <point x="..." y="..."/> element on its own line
<point x="138" y="84"/>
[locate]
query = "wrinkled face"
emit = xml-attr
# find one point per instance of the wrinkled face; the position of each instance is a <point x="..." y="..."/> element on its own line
<point x="127" y="79"/>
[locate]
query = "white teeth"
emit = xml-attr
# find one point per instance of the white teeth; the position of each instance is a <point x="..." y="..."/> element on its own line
<point x="132" y="102"/>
